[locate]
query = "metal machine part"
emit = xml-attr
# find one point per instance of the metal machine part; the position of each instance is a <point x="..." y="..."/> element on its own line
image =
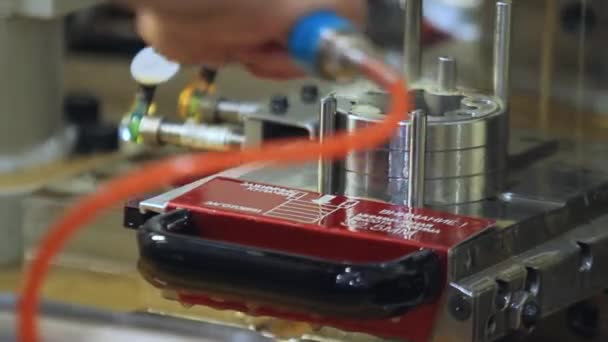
<point x="386" y="288"/>
<point x="465" y="142"/>
<point x="227" y="123"/>
<point x="157" y="131"/>
<point x="549" y="200"/>
<point x="465" y="151"/>
<point x="507" y="281"/>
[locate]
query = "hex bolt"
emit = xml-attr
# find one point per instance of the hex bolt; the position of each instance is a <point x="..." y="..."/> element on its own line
<point x="460" y="307"/>
<point x="309" y="93"/>
<point x="279" y="104"/>
<point x="530" y="314"/>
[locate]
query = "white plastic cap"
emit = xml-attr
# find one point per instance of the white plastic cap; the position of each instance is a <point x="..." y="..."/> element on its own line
<point x="149" y="68"/>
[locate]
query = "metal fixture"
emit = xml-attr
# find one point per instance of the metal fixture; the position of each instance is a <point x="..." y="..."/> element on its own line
<point x="466" y="138"/>
<point x="417" y="159"/>
<point x="157" y="131"/>
<point x="329" y="107"/>
<point x="412" y="46"/>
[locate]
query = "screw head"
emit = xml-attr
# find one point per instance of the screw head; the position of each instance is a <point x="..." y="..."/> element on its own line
<point x="530" y="314"/>
<point x="279" y="104"/>
<point x="310" y="93"/>
<point x="460" y="307"/>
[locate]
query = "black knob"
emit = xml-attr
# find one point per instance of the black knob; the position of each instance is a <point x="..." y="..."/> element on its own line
<point x="310" y="93"/>
<point x="82" y="109"/>
<point x="279" y="104"/>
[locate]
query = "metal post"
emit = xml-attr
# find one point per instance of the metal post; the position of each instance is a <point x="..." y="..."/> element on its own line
<point x="412" y="45"/>
<point x="502" y="50"/>
<point x="447" y="74"/>
<point x="417" y="159"/>
<point x="329" y="107"/>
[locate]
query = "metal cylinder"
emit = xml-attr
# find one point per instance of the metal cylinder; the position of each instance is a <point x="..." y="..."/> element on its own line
<point x="447" y="74"/>
<point x="412" y="44"/>
<point x="464" y="160"/>
<point x="417" y="159"/>
<point x="502" y="50"/>
<point x="31" y="92"/>
<point x="31" y="132"/>
<point x="329" y="107"/>
<point x="157" y="131"/>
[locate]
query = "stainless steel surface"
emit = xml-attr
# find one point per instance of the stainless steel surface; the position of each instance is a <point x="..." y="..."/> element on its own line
<point x="301" y="118"/>
<point x="329" y="108"/>
<point x="553" y="274"/>
<point x="417" y="160"/>
<point x="149" y="129"/>
<point x="440" y="164"/>
<point x="156" y="131"/>
<point x="438" y="192"/>
<point x="219" y="110"/>
<point x="502" y="50"/>
<point x="473" y="127"/>
<point x="412" y="45"/>
<point x="200" y="136"/>
<point x="235" y="112"/>
<point x="447" y="74"/>
<point x="465" y="150"/>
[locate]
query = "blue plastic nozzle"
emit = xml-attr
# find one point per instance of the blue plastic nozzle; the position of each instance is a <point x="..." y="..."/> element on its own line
<point x="307" y="35"/>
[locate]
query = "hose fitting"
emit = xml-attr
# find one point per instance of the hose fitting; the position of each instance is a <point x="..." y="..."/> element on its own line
<point x="329" y="46"/>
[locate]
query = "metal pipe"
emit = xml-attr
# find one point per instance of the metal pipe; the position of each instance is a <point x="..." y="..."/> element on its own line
<point x="447" y="74"/>
<point x="329" y="107"/>
<point x="412" y="44"/>
<point x="235" y="112"/>
<point x="417" y="159"/>
<point x="502" y="50"/>
<point x="157" y="131"/>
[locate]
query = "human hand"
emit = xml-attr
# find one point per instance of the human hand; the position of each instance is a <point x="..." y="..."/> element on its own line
<point x="218" y="32"/>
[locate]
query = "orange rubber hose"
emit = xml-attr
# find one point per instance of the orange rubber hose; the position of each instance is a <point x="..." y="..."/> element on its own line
<point x="165" y="172"/>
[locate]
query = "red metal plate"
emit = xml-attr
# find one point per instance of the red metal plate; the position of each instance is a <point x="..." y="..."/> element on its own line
<point x="332" y="227"/>
<point x="331" y="214"/>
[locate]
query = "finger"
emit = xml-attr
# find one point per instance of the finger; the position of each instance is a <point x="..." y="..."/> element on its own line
<point x="270" y="59"/>
<point x="274" y="73"/>
<point x="169" y="38"/>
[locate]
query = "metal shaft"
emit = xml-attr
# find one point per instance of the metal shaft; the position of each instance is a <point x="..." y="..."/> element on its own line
<point x="235" y="112"/>
<point x="329" y="107"/>
<point x="446" y="74"/>
<point x="502" y="50"/>
<point x="156" y="131"/>
<point x="417" y="159"/>
<point x="412" y="45"/>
